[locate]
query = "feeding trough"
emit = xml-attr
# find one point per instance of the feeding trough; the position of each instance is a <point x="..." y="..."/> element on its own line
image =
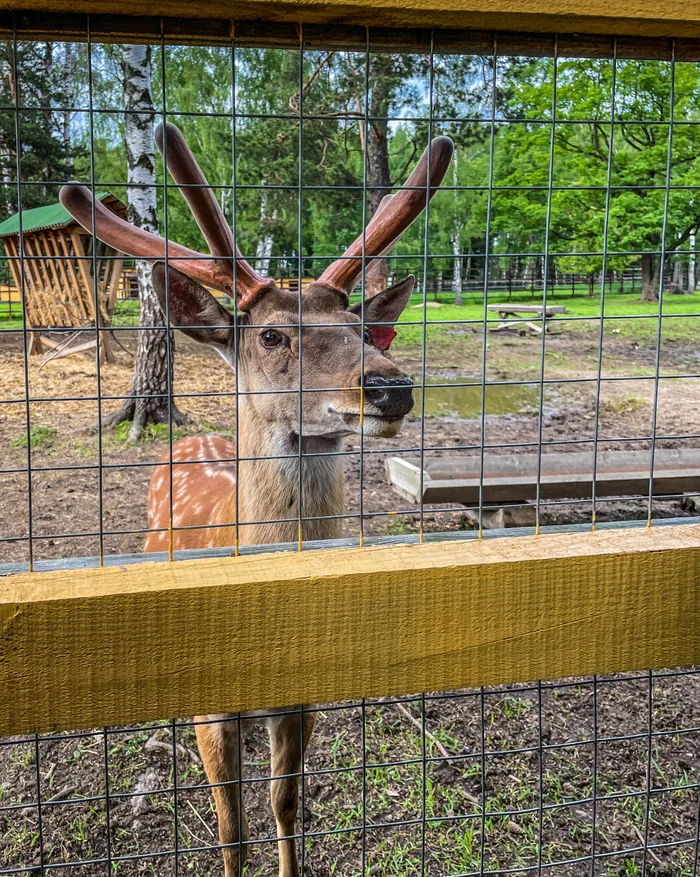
<point x="514" y="478"/>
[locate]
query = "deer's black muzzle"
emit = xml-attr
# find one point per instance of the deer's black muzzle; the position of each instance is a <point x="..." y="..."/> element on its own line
<point x="392" y="396"/>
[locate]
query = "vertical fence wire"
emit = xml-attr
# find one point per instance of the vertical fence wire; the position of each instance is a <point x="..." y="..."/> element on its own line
<point x="300" y="287"/>
<point x="95" y="277"/>
<point x="364" y="122"/>
<point x="39" y="814"/>
<point x="424" y="790"/>
<point x="696" y="853"/>
<point x="23" y="295"/>
<point x="545" y="286"/>
<point x="662" y="263"/>
<point x="540" y="772"/>
<point x="604" y="268"/>
<point x="168" y="333"/>
<point x="300" y="276"/>
<point x="650" y="766"/>
<point x="487" y="254"/>
<point x="424" y="328"/>
<point x="108" y="823"/>
<point x="242" y="850"/>
<point x="483" y="777"/>
<point x="96" y="302"/>
<point x="594" y="779"/>
<point x="236" y="328"/>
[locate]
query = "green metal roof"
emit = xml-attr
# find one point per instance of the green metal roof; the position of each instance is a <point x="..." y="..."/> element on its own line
<point x="51" y="216"/>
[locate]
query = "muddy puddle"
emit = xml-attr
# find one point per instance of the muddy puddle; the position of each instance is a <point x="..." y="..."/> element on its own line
<point x="459" y="396"/>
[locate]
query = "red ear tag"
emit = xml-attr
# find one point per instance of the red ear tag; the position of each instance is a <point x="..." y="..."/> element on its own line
<point x="381" y="336"/>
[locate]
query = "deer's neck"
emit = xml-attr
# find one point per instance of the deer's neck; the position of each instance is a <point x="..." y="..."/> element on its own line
<point x="269" y="490"/>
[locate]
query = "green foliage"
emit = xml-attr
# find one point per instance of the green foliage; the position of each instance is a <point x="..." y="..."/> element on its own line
<point x="44" y="158"/>
<point x="303" y="188"/>
<point x="640" y="154"/>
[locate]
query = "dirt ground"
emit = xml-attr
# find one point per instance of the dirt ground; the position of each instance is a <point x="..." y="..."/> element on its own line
<point x="65" y="460"/>
<point x="526" y="752"/>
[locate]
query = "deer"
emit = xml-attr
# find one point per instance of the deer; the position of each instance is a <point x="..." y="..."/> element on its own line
<point x="350" y="385"/>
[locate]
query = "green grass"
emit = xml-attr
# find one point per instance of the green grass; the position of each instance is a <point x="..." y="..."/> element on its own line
<point x="10" y="319"/>
<point x="622" y="311"/>
<point x="151" y="432"/>
<point x="39" y="437"/>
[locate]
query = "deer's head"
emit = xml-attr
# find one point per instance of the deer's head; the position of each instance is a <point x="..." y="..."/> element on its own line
<point x="351" y="382"/>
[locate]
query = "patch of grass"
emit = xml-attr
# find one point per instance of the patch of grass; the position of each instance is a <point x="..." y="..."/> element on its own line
<point x="81" y="449"/>
<point x="399" y="527"/>
<point x="14" y="323"/>
<point x="126" y="313"/>
<point x="38" y="437"/>
<point x="11" y="318"/>
<point x="153" y="432"/>
<point x="625" y="404"/>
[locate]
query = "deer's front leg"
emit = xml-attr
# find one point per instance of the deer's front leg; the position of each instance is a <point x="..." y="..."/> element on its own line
<point x="220" y="750"/>
<point x="286" y="752"/>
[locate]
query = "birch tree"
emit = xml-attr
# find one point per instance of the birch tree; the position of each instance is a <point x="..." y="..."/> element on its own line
<point x="691" y="263"/>
<point x="456" y="237"/>
<point x="149" y="393"/>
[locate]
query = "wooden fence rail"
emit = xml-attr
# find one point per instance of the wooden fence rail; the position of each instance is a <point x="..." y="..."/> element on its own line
<point x="93" y="647"/>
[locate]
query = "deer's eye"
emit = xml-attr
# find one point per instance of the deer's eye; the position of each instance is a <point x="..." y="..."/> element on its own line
<point x="368" y="337"/>
<point x="270" y="338"/>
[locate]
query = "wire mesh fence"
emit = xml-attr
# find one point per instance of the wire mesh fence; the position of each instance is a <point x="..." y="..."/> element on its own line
<point x="548" y="339"/>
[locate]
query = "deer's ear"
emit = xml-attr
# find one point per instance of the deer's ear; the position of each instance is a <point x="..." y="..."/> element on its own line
<point x="385" y="307"/>
<point x="193" y="309"/>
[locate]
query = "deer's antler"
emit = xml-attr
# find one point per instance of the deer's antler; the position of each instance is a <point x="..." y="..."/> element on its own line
<point x="215" y="270"/>
<point x="393" y="217"/>
<point x="209" y="216"/>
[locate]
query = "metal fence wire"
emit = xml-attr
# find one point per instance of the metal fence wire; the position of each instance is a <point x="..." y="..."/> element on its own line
<point x="550" y="341"/>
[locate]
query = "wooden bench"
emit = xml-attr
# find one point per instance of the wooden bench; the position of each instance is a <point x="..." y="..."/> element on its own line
<point x="513" y="315"/>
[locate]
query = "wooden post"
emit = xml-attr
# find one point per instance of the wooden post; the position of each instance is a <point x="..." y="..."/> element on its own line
<point x="84" y="273"/>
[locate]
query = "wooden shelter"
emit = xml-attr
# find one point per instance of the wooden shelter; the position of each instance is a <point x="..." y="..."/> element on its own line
<point x="58" y="270"/>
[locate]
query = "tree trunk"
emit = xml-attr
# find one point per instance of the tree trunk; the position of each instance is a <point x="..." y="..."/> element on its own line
<point x="650" y="278"/>
<point x="691" y="264"/>
<point x="437" y="289"/>
<point x="456" y="239"/>
<point x="149" y="385"/>
<point x="69" y="94"/>
<point x="678" y="281"/>
<point x="263" y="251"/>
<point x="48" y="69"/>
<point x="378" y="177"/>
<point x="457" y="273"/>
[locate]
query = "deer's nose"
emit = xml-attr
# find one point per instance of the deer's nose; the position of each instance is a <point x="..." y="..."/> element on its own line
<point x="392" y="396"/>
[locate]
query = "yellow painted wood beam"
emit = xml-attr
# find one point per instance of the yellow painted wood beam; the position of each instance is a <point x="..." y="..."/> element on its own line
<point x="155" y="640"/>
<point x="635" y="17"/>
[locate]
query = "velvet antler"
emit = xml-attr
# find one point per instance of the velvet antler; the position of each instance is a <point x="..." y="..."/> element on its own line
<point x="393" y="217"/>
<point x="216" y="270"/>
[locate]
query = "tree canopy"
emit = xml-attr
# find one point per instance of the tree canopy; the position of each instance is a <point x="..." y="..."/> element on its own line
<point x="604" y="122"/>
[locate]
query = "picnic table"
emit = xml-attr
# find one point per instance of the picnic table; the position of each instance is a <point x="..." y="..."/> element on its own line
<point x="513" y="315"/>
